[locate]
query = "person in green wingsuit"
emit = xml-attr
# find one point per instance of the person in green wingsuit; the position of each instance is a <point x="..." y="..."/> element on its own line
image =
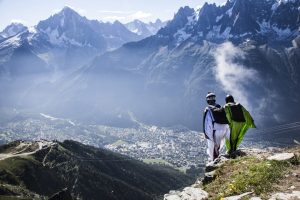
<point x="239" y="120"/>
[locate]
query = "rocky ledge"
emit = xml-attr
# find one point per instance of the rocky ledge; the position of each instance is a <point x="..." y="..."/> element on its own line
<point x="254" y="174"/>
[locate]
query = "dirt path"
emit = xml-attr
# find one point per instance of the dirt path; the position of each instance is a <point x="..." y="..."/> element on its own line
<point x="24" y="146"/>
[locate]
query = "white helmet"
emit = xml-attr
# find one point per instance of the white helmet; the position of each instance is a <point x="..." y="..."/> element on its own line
<point x="210" y="96"/>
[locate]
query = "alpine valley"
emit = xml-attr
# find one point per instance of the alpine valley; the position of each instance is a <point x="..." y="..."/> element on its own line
<point x="139" y="89"/>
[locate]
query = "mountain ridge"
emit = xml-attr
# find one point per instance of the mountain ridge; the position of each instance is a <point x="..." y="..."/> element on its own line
<point x="45" y="168"/>
<point x="169" y="72"/>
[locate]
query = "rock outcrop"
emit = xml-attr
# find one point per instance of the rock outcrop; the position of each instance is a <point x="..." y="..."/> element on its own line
<point x="197" y="191"/>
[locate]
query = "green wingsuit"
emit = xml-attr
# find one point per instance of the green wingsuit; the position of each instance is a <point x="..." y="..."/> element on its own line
<point x="238" y="127"/>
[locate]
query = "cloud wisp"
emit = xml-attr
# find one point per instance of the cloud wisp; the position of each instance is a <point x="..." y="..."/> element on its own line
<point x="112" y="15"/>
<point x="233" y="76"/>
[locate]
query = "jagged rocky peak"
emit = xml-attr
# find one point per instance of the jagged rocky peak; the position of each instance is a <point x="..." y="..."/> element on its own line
<point x="182" y="15"/>
<point x="285" y="14"/>
<point x="66" y="18"/>
<point x="242" y="20"/>
<point x="13" y="29"/>
<point x="158" y="21"/>
<point x="237" y="20"/>
<point x="181" y="18"/>
<point x="117" y="23"/>
<point x="69" y="28"/>
<point x="207" y="17"/>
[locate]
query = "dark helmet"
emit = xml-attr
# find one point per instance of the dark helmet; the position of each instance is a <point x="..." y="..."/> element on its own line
<point x="211" y="98"/>
<point x="229" y="98"/>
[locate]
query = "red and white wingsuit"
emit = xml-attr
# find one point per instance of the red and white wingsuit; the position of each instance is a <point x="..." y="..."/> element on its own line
<point x="215" y="133"/>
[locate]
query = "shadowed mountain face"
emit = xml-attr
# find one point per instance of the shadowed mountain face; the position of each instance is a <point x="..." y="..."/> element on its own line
<point x="46" y="168"/>
<point x="248" y="48"/>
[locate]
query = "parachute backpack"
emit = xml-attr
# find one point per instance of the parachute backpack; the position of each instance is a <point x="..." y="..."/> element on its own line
<point x="219" y="115"/>
<point x="237" y="112"/>
<point x="236" y="109"/>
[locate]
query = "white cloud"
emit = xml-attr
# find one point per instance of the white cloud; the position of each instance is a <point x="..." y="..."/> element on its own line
<point x="113" y="18"/>
<point x="234" y="77"/>
<point x="111" y="15"/>
<point x="115" y="12"/>
<point x="19" y="21"/>
<point x="140" y="15"/>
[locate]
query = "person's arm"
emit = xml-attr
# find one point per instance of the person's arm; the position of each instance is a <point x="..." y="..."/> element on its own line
<point x="208" y="125"/>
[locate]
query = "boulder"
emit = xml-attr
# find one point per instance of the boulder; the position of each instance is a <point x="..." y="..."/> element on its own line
<point x="188" y="193"/>
<point x="282" y="156"/>
<point x="238" y="197"/>
<point x="286" y="196"/>
<point x="171" y="197"/>
<point x="191" y="193"/>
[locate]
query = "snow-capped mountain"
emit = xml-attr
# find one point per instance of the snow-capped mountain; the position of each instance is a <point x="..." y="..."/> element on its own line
<point x="12" y="29"/>
<point x="249" y="48"/>
<point x="167" y="75"/>
<point x="239" y="19"/>
<point x="65" y="40"/>
<point x="145" y="29"/>
<point x="69" y="28"/>
<point x="32" y="60"/>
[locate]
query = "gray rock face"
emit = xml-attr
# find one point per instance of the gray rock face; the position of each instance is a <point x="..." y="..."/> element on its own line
<point x="282" y="157"/>
<point x="188" y="193"/>
<point x="238" y="197"/>
<point x="295" y="195"/>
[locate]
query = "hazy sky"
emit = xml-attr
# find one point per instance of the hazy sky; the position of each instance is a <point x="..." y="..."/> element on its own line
<point x="30" y="12"/>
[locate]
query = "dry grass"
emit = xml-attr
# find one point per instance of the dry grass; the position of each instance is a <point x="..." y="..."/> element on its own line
<point x="257" y="175"/>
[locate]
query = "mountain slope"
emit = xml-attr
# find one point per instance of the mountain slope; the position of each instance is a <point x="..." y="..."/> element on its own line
<point x="45" y="168"/>
<point x="169" y="73"/>
<point x="249" y="48"/>
<point x="66" y="40"/>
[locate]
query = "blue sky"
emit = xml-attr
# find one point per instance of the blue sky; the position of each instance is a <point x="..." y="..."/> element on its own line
<point x="30" y="12"/>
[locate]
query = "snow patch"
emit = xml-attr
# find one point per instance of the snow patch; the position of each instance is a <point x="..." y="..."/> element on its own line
<point x="229" y="12"/>
<point x="215" y="33"/>
<point x="264" y="26"/>
<point x="32" y="30"/>
<point x="181" y="36"/>
<point x="62" y="40"/>
<point x="13" y="41"/>
<point x="218" y="18"/>
<point x="282" y="33"/>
